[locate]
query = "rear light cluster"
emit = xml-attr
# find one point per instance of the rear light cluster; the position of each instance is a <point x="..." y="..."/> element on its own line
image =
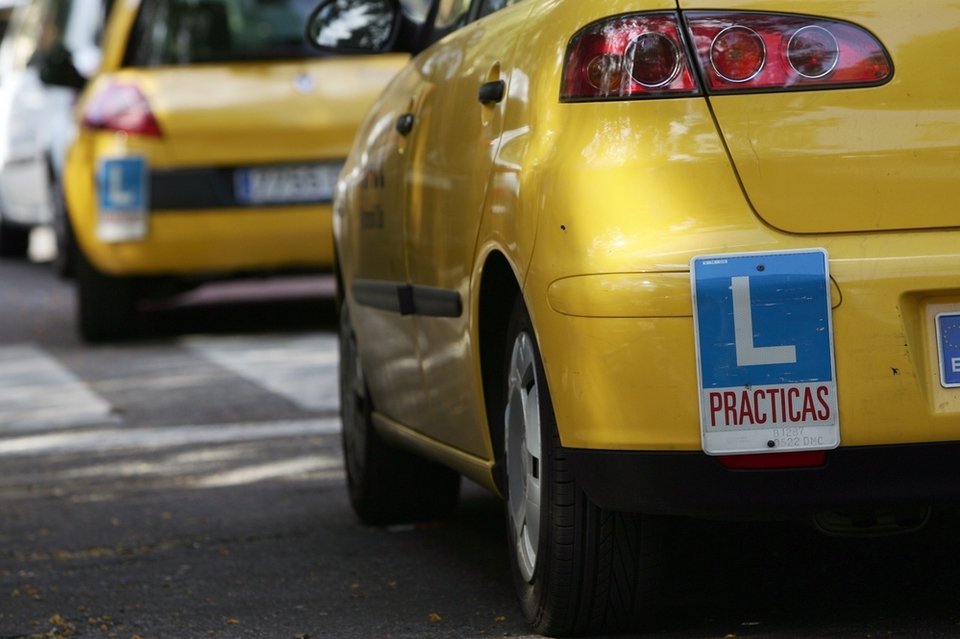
<point x="120" y="107"/>
<point x="650" y="55"/>
<point x="631" y="55"/>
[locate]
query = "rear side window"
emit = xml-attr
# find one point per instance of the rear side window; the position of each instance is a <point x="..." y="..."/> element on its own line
<point x="178" y="32"/>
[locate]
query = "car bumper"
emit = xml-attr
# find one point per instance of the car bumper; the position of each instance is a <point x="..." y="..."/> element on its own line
<point x="187" y="221"/>
<point x="693" y="483"/>
<point x="621" y="360"/>
<point x="219" y="243"/>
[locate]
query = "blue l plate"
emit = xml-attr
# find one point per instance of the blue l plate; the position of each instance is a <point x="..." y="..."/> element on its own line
<point x="122" y="185"/>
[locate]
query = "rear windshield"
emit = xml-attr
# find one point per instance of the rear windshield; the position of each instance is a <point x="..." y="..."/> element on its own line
<point x="176" y="32"/>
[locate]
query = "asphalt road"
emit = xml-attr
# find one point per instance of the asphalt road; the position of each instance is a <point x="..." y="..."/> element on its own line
<point x="189" y="484"/>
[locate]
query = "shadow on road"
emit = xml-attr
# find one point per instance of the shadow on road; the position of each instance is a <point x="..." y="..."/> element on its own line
<point x="273" y="305"/>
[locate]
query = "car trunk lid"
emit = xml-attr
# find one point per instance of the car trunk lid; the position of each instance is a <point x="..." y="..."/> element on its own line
<point x="225" y="114"/>
<point x="855" y="159"/>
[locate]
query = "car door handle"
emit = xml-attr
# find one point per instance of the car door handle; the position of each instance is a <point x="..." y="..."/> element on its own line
<point x="492" y="92"/>
<point x="405" y="123"/>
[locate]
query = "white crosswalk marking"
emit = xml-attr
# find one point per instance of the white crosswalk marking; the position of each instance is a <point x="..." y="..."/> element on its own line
<point x="156" y="438"/>
<point x="48" y="413"/>
<point x="302" y="368"/>
<point x="38" y="393"/>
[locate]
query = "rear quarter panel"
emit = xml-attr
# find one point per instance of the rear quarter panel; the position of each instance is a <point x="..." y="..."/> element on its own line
<point x="610" y="188"/>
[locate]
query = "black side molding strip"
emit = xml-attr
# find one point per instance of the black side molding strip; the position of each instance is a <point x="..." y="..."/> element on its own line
<point x="436" y="302"/>
<point x="407" y="299"/>
<point x="381" y="295"/>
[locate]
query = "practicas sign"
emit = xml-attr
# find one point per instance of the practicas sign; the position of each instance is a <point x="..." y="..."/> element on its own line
<point x="764" y="338"/>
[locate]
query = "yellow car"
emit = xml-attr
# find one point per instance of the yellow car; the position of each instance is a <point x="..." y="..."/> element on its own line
<point x="208" y="146"/>
<point x="620" y="259"/>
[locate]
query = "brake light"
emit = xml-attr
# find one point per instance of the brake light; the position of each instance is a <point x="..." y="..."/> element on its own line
<point x="645" y="55"/>
<point x="776" y="52"/>
<point x="121" y="107"/>
<point x="632" y="56"/>
<point x="737" y="54"/>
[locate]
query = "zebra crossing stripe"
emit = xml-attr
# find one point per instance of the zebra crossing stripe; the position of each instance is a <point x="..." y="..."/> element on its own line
<point x="39" y="393"/>
<point x="302" y="368"/>
<point x="168" y="437"/>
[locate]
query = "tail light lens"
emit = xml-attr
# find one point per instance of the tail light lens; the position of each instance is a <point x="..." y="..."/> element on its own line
<point x="645" y="55"/>
<point x="738" y="54"/>
<point x="632" y="56"/>
<point x="756" y="51"/>
<point x="121" y="107"/>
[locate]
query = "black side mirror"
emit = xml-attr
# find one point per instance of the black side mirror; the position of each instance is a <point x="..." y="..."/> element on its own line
<point x="373" y="26"/>
<point x="57" y="69"/>
<point x="355" y="26"/>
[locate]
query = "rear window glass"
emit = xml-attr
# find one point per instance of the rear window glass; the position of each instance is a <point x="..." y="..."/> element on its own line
<point x="177" y="32"/>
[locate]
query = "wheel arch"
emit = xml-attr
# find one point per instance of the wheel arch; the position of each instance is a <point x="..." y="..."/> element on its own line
<point x="499" y="287"/>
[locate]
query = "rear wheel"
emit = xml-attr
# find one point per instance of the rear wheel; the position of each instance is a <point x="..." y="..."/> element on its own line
<point x="106" y="304"/>
<point x="14" y="240"/>
<point x="578" y="568"/>
<point x="64" y="263"/>
<point x="386" y="485"/>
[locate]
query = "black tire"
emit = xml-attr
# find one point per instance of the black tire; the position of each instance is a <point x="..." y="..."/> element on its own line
<point x="14" y="240"/>
<point x="593" y="570"/>
<point x="386" y="485"/>
<point x="106" y="305"/>
<point x="65" y="261"/>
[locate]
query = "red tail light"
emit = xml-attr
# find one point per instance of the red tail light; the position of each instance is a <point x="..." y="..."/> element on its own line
<point x="645" y="55"/>
<point x="633" y="56"/>
<point x="121" y="107"/>
<point x="738" y="54"/>
<point x="774" y="52"/>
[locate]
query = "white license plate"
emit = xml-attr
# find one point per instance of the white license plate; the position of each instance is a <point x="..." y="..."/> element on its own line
<point x="286" y="184"/>
<point x="765" y="358"/>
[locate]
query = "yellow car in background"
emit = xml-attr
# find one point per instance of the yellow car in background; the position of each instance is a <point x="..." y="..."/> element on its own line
<point x="208" y="147"/>
<point x="621" y="259"/>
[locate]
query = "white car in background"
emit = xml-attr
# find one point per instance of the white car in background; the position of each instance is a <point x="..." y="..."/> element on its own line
<point x="36" y="119"/>
<point x="6" y="9"/>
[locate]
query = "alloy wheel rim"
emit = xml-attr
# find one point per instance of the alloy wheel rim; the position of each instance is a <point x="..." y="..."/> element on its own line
<point x="523" y="453"/>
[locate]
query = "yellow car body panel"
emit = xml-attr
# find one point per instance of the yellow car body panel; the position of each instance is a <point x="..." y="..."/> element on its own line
<point x="599" y="207"/>
<point x="211" y="115"/>
<point x="368" y="217"/>
<point x="449" y="203"/>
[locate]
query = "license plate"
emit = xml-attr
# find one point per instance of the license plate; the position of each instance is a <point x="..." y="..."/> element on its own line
<point x="765" y="358"/>
<point x="948" y="346"/>
<point x="286" y="184"/>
